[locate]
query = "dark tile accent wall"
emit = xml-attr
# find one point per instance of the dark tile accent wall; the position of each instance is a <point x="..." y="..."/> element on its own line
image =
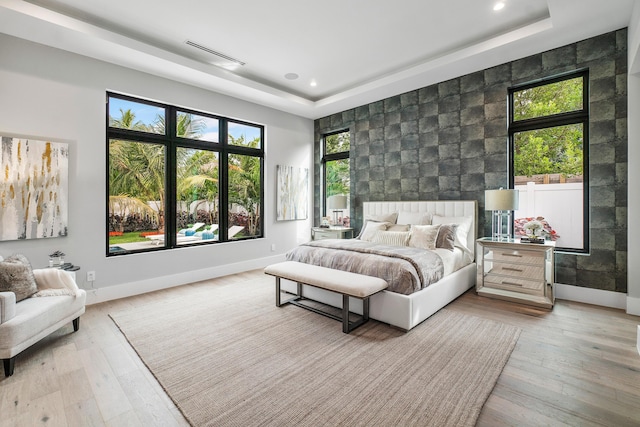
<point x="448" y="141"/>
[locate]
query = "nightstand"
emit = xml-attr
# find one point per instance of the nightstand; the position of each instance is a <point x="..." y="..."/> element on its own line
<point x="319" y="233"/>
<point x="514" y="271"/>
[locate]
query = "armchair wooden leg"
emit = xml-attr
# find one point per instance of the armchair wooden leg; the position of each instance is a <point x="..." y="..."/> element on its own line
<point x="76" y="324"/>
<point x="8" y="366"/>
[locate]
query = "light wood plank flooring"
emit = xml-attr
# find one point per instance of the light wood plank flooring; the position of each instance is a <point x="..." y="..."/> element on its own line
<point x="576" y="365"/>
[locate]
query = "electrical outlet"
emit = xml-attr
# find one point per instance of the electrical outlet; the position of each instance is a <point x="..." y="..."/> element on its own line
<point x="91" y="276"/>
<point x="273" y="247"/>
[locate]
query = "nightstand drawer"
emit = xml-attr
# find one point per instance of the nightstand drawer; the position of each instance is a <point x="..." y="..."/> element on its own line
<point x="511" y="255"/>
<point x="517" y="284"/>
<point x="529" y="272"/>
<point x="321" y="235"/>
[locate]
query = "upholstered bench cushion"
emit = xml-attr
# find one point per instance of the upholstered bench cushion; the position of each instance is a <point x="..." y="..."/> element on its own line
<point x="35" y="318"/>
<point x="344" y="282"/>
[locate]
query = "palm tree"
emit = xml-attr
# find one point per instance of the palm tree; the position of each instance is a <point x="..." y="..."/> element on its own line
<point x="136" y="170"/>
<point x="244" y="183"/>
<point x="127" y="120"/>
<point x="198" y="179"/>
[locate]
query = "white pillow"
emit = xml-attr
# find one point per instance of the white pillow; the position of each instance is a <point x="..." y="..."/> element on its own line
<point x="399" y="227"/>
<point x="370" y="228"/>
<point x="418" y="218"/>
<point x="464" y="226"/>
<point x="392" y="238"/>
<point x="391" y="217"/>
<point x="424" y="236"/>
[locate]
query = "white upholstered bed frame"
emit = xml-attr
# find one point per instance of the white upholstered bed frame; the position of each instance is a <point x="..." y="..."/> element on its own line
<point x="407" y="311"/>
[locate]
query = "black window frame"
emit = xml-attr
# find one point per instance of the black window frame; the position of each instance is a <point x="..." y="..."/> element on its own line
<point x="172" y="142"/>
<point x="554" y="120"/>
<point x="341" y="155"/>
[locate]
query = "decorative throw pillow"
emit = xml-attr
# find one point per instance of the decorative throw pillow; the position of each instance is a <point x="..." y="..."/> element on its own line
<point x="399" y="227"/>
<point x="464" y="225"/>
<point x="16" y="276"/>
<point x="446" y="236"/>
<point x="424" y="236"/>
<point x="391" y="238"/>
<point x="414" y="218"/>
<point x="391" y="217"/>
<point x="370" y="228"/>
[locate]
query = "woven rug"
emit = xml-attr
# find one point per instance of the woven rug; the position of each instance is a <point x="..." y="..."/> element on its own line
<point x="227" y="356"/>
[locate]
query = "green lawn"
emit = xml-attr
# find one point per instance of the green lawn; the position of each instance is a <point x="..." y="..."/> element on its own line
<point x="131" y="237"/>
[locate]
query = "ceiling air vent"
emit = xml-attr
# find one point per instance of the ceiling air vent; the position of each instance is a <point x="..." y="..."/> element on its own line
<point x="220" y="59"/>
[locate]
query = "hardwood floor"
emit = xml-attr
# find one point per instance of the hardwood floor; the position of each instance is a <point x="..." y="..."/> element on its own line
<point x="576" y="365"/>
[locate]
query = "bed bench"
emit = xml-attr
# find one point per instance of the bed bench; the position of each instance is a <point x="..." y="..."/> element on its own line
<point x="343" y="282"/>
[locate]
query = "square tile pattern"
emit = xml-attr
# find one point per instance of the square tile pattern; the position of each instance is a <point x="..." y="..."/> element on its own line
<point x="448" y="141"/>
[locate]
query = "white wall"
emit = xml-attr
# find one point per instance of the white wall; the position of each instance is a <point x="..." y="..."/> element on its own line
<point x="50" y="94"/>
<point x="633" y="240"/>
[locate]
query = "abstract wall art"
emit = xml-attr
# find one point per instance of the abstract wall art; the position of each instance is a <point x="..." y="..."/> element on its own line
<point x="34" y="182"/>
<point x="292" y="193"/>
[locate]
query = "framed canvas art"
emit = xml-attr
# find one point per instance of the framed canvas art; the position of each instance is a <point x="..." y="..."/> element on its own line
<point x="292" y="193"/>
<point x="34" y="197"/>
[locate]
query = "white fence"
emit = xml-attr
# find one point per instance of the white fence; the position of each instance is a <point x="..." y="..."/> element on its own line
<point x="559" y="204"/>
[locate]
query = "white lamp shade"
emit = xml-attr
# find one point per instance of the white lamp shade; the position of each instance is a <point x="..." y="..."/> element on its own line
<point x="501" y="200"/>
<point x="338" y="201"/>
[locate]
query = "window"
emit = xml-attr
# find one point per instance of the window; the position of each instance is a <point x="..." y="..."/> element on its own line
<point x="548" y="137"/>
<point x="180" y="177"/>
<point x="335" y="169"/>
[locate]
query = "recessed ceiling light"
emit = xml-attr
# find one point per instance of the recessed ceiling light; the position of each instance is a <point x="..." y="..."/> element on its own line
<point x="313" y="83"/>
<point x="291" y="76"/>
<point x="498" y="6"/>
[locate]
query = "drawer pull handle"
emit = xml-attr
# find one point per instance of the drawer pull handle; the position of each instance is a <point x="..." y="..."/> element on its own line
<point x="513" y="255"/>
<point x="505" y="282"/>
<point x="512" y="269"/>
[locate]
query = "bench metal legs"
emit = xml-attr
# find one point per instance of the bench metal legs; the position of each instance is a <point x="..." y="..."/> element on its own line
<point x="279" y="302"/>
<point x="347" y="326"/>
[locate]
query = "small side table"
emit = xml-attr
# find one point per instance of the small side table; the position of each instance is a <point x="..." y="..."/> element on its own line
<point x="320" y="233"/>
<point x="69" y="268"/>
<point x="515" y="271"/>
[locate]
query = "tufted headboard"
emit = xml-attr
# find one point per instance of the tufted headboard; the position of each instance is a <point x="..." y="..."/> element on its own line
<point x="438" y="207"/>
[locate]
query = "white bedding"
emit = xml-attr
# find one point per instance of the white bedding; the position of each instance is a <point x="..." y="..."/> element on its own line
<point x="453" y="260"/>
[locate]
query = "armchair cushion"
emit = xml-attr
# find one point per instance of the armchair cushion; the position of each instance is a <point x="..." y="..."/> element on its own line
<point x="16" y="276"/>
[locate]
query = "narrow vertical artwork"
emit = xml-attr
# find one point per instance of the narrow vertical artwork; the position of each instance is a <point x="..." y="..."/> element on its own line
<point x="292" y="193"/>
<point x="33" y="189"/>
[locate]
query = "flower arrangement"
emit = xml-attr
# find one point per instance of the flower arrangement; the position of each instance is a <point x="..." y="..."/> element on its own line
<point x="546" y="230"/>
<point x="533" y="228"/>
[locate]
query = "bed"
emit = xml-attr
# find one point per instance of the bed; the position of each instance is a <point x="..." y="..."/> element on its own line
<point x="409" y="303"/>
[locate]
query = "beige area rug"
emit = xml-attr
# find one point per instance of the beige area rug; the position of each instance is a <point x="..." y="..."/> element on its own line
<point x="227" y="356"/>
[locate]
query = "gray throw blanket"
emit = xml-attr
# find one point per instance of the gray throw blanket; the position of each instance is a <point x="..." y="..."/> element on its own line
<point x="405" y="269"/>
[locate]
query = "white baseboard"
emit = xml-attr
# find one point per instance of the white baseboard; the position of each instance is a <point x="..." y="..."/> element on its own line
<point x="109" y="293"/>
<point x="591" y="296"/>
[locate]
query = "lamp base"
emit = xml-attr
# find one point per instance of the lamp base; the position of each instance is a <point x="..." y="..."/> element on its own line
<point x="501" y="221"/>
<point x="335" y="216"/>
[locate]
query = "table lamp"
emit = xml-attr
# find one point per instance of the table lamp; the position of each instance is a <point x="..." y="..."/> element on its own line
<point x="337" y="203"/>
<point x="502" y="203"/>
